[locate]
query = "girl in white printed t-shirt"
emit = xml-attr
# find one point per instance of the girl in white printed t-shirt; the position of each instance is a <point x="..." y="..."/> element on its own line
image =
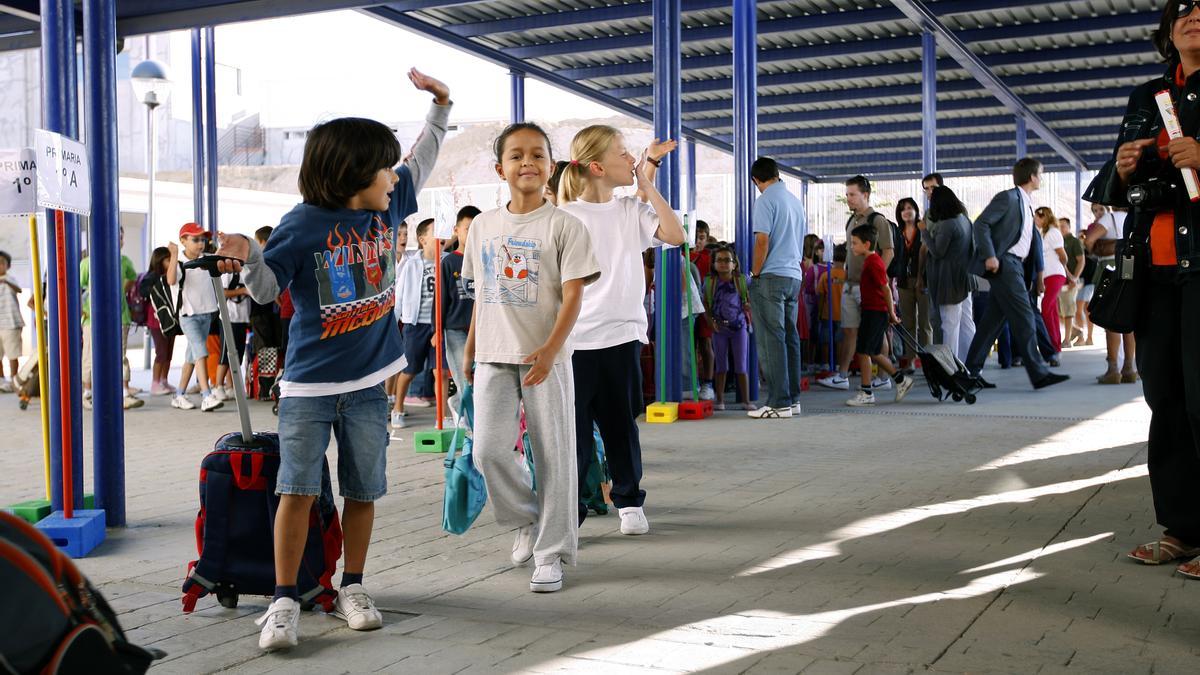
<point x="612" y="324"/>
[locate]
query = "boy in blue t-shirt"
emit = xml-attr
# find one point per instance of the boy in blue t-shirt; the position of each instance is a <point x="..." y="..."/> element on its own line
<point x="458" y="301"/>
<point x="336" y="252"/>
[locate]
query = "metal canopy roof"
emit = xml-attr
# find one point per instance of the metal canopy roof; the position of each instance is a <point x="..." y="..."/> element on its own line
<point x="839" y="81"/>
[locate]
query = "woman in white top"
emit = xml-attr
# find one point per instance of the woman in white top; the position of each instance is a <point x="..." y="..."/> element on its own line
<point x="1054" y="273"/>
<point x="612" y="326"/>
<point x="1102" y="237"/>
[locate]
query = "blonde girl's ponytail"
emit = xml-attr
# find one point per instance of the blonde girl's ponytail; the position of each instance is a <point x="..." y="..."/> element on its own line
<point x="589" y="145"/>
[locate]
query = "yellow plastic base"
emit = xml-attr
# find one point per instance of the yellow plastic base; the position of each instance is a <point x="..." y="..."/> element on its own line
<point x="662" y="413"/>
<point x="434" y="440"/>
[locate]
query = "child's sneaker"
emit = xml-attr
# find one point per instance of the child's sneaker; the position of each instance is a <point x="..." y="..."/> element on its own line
<point x="835" y="381"/>
<point x="881" y="382"/>
<point x="633" y="520"/>
<point x="768" y="413"/>
<point x="795" y="410"/>
<point x="902" y="388"/>
<point x="355" y="605"/>
<point x="182" y="403"/>
<point x="280" y="625"/>
<point x="87" y="402"/>
<point x="220" y="394"/>
<point x="719" y="405"/>
<point x="547" y="578"/>
<point x="160" y="389"/>
<point x="211" y="403"/>
<point x="416" y="402"/>
<point x="5" y="387"/>
<point x="707" y="393"/>
<point x="132" y="402"/>
<point x="522" y="549"/>
<point x="862" y="398"/>
<point x="398" y="420"/>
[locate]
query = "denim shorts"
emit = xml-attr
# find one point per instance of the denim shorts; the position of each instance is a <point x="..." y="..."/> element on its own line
<point x="195" y="329"/>
<point x="358" y="421"/>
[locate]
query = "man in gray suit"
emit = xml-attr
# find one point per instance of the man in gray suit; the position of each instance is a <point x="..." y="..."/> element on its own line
<point x="1004" y="233"/>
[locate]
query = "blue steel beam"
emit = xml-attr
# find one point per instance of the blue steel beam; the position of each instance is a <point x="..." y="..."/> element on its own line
<point x="929" y="87"/>
<point x="745" y="148"/>
<point x="669" y="269"/>
<point x="956" y="140"/>
<point x="554" y="78"/>
<point x="107" y="285"/>
<point x="211" y="182"/>
<point x="984" y="166"/>
<point x="198" y="144"/>
<point x="570" y="17"/>
<point x="1022" y="138"/>
<point x="913" y="155"/>
<point x="946" y="66"/>
<point x="918" y="13"/>
<point x="516" y="96"/>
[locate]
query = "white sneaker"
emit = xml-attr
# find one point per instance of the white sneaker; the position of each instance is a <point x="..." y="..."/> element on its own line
<point x="211" y="403"/>
<point x="768" y="413"/>
<point x="522" y="550"/>
<point x="719" y="405"/>
<point x="707" y="393"/>
<point x="280" y="625"/>
<point x="132" y="402"/>
<point x="219" y="394"/>
<point x="355" y="605"/>
<point x="633" y="520"/>
<point x="398" y="420"/>
<point x="861" y="399"/>
<point x="903" y="387"/>
<point x="795" y="410"/>
<point x="835" y="382"/>
<point x="882" y="382"/>
<point x="547" y="578"/>
<point x="87" y="402"/>
<point x="182" y="403"/>
<point x="5" y="387"/>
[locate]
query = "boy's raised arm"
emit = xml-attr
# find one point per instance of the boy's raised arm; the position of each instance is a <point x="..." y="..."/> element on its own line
<point x="424" y="153"/>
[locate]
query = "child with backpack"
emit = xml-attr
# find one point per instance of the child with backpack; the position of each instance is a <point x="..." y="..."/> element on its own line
<point x="878" y="311"/>
<point x="612" y="323"/>
<point x="727" y="306"/>
<point x="337" y="253"/>
<point x="529" y="261"/>
<point x="830" y="282"/>
<point x="458" y="302"/>
<point x="164" y="347"/>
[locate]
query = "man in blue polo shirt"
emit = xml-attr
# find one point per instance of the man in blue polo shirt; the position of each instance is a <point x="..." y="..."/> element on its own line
<point x="779" y="227"/>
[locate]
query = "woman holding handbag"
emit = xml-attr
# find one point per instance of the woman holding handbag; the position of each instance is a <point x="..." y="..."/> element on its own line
<point x="1155" y="288"/>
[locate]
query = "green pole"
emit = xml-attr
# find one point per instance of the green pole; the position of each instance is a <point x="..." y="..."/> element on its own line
<point x="687" y="291"/>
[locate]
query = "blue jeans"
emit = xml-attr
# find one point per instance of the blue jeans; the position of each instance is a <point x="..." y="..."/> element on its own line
<point x="774" y="303"/>
<point x="358" y="420"/>
<point x="195" y="330"/>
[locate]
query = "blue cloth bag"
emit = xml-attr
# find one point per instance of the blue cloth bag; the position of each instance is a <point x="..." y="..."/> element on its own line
<point x="466" y="493"/>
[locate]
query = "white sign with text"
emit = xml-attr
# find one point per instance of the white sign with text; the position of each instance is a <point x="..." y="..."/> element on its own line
<point x="63" y="181"/>
<point x="18" y="182"/>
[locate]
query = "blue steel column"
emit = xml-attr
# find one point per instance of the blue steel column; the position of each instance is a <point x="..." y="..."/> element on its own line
<point x="668" y="277"/>
<point x="689" y="148"/>
<point x="928" y="103"/>
<point x="108" y="418"/>
<point x="1078" y="225"/>
<point x="210" y="126"/>
<point x="516" y="96"/>
<point x="745" y="143"/>
<point x="60" y="114"/>
<point x="1022" y="138"/>
<point x="197" y="130"/>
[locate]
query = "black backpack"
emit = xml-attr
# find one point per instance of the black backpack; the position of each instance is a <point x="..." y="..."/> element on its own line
<point x="166" y="309"/>
<point x="897" y="269"/>
<point x="53" y="620"/>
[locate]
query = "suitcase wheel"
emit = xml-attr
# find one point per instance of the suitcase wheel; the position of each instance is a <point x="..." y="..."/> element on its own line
<point x="275" y="408"/>
<point x="970" y="398"/>
<point x="956" y="396"/>
<point x="228" y="598"/>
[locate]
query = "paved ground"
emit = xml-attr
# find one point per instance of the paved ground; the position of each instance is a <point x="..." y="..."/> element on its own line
<point x="909" y="538"/>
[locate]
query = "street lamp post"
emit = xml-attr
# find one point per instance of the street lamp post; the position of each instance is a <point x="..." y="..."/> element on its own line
<point x="152" y="86"/>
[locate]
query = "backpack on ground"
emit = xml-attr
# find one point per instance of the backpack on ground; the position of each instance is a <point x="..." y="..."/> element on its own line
<point x="53" y="620"/>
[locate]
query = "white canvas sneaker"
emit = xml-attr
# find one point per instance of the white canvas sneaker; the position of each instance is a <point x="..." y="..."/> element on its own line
<point x="355" y="605"/>
<point x="862" y="399"/>
<point x="882" y="382"/>
<point x="547" y="578"/>
<point x="768" y="413"/>
<point x="633" y="520"/>
<point x="522" y="550"/>
<point x="835" y="382"/>
<point x="182" y="403"/>
<point x="280" y="625"/>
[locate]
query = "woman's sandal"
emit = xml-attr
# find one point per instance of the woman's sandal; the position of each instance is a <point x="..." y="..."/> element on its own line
<point x="1130" y="377"/>
<point x="1165" y="551"/>
<point x="1190" y="569"/>
<point x="1111" y="377"/>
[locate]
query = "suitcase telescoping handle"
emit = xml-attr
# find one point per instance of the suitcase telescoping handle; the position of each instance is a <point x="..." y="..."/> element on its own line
<point x="209" y="263"/>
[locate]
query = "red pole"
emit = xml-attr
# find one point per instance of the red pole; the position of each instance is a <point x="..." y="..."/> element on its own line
<point x="64" y="357"/>
<point x="440" y="381"/>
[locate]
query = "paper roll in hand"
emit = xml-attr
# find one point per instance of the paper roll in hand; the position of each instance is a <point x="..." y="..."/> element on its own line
<point x="1166" y="107"/>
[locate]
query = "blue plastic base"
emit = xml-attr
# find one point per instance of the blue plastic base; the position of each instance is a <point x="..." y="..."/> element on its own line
<point x="78" y="536"/>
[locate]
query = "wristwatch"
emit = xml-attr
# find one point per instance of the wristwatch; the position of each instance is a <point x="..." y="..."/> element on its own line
<point x="656" y="162"/>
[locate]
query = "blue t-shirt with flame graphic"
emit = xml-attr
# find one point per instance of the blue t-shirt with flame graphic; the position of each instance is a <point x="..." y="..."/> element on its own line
<point x="340" y="265"/>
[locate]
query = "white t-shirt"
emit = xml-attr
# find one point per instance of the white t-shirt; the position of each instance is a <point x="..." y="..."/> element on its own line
<point x="239" y="307"/>
<point x="612" y="312"/>
<point x="519" y="263"/>
<point x="1051" y="241"/>
<point x="198" y="296"/>
<point x="1021" y="248"/>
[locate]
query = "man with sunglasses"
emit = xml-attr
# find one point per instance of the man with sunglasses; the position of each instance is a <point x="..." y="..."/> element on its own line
<point x="197" y="309"/>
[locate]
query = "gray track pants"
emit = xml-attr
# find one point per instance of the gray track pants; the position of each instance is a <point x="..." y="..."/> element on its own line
<point x="550" y="417"/>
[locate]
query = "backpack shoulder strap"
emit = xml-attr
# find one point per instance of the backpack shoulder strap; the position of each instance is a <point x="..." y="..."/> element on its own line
<point x="710" y="289"/>
<point x="739" y="282"/>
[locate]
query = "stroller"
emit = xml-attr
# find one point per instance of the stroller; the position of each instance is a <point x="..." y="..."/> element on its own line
<point x="946" y="376"/>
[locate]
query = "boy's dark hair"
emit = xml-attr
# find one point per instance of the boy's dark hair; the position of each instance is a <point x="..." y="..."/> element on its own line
<point x="764" y="169"/>
<point x="342" y="157"/>
<point x="467" y="211"/>
<point x="866" y="233"/>
<point x="7" y="258"/>
<point x="263" y="233"/>
<point x="839" y="253"/>
<point x="556" y="177"/>
<point x="498" y="146"/>
<point x="423" y="227"/>
<point x="701" y="225"/>
<point x="860" y="181"/>
<point x="935" y="177"/>
<point x="1026" y="168"/>
<point x="944" y="204"/>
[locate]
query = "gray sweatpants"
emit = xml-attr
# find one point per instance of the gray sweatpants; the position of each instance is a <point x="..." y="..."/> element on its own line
<point x="550" y="418"/>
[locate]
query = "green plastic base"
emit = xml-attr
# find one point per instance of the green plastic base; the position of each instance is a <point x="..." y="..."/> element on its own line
<point x="31" y="511"/>
<point x="434" y="440"/>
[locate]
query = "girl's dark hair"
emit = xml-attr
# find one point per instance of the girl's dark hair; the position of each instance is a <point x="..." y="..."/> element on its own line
<point x="555" y="177"/>
<point x="342" y="157"/>
<point x="737" y="265"/>
<point x="944" y="205"/>
<point x="7" y="258"/>
<point x="1162" y="35"/>
<point x="810" y="245"/>
<point x="498" y="146"/>
<point x="158" y="259"/>
<point x="900" y="210"/>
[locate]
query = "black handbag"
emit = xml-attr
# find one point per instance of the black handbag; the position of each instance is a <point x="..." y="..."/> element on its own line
<point x="1114" y="304"/>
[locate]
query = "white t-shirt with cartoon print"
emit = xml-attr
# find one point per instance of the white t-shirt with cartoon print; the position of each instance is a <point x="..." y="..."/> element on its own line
<point x="519" y="264"/>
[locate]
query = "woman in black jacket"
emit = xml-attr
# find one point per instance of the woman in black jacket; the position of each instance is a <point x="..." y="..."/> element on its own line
<point x="948" y="236"/>
<point x="1162" y="238"/>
